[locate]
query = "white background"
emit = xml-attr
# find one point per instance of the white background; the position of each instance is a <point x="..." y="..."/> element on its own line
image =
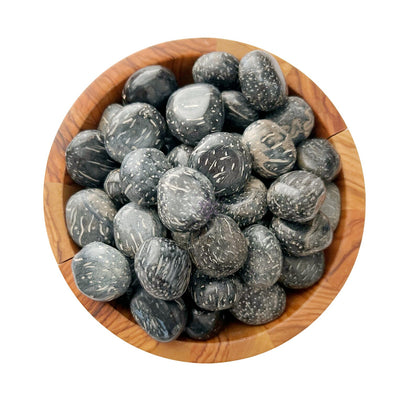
<point x="357" y="358"/>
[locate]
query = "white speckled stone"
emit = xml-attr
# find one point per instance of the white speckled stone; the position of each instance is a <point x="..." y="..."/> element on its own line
<point x="107" y="115"/>
<point x="112" y="188"/>
<point x="179" y="155"/>
<point x="332" y="204"/>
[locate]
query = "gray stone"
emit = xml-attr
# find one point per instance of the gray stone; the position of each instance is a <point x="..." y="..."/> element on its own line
<point x="101" y="272"/>
<point x="112" y="188"/>
<point x="179" y="155"/>
<point x="107" y="115"/>
<point x="332" y="204"/>
<point x="202" y="324"/>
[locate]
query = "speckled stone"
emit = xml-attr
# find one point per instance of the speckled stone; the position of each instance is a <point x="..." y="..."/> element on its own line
<point x="112" y="188"/>
<point x="136" y="126"/>
<point x="272" y="151"/>
<point x="202" y="324"/>
<point x="87" y="161"/>
<point x="101" y="272"/>
<point x="163" y="320"/>
<point x="163" y="268"/>
<point x="262" y="81"/>
<point x="332" y="204"/>
<point x="264" y="261"/>
<point x="185" y="199"/>
<point x="107" y="115"/>
<point x="319" y="157"/>
<point x="89" y="215"/>
<point x="225" y="160"/>
<point x="295" y="117"/>
<point x="247" y="207"/>
<point x="182" y="239"/>
<point x="140" y="173"/>
<point x="301" y="240"/>
<point x="217" y="68"/>
<point x="179" y="155"/>
<point x="194" y="111"/>
<point x="296" y="196"/>
<point x="302" y="272"/>
<point x="152" y="84"/>
<point x="219" y="249"/>
<point x="258" y="306"/>
<point x="133" y="225"/>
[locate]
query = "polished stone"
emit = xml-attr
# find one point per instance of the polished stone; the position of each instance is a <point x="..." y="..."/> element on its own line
<point x="179" y="155"/>
<point x="332" y="204"/>
<point x="107" y="115"/>
<point x="202" y="324"/>
<point x="112" y="188"/>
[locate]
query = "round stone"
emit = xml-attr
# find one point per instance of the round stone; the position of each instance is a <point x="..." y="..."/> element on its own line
<point x="87" y="161"/>
<point x="262" y="81"/>
<point x="319" y="157"/>
<point x="272" y="151"/>
<point x="163" y="268"/>
<point x="302" y="272"/>
<point x="163" y="320"/>
<point x="89" y="215"/>
<point x="194" y="111"/>
<point x="304" y="239"/>
<point x="135" y="126"/>
<point x="258" y="306"/>
<point x="247" y="207"/>
<point x="225" y="160"/>
<point x="295" y="117"/>
<point x="179" y="155"/>
<point x="332" y="204"/>
<point x="219" y="249"/>
<point x="152" y="84"/>
<point x="264" y="260"/>
<point x="239" y="114"/>
<point x="214" y="294"/>
<point x="112" y="187"/>
<point x="133" y="225"/>
<point x="202" y="324"/>
<point x="185" y="199"/>
<point x="296" y="196"/>
<point x="140" y="173"/>
<point x="217" y="68"/>
<point x="101" y="272"/>
<point x="107" y="115"/>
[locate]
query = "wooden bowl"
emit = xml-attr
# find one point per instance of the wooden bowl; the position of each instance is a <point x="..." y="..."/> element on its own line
<point x="237" y="340"/>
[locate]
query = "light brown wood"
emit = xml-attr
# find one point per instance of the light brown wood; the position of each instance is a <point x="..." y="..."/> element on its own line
<point x="237" y="340"/>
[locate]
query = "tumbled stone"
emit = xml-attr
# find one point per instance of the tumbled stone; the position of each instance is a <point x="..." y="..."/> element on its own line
<point x="272" y="151"/>
<point x="264" y="260"/>
<point x="295" y="117"/>
<point x="163" y="320"/>
<point x="258" y="306"/>
<point x="319" y="157"/>
<point x="194" y="111"/>
<point x="163" y="268"/>
<point x="304" y="239"/>
<point x="332" y="204"/>
<point x="135" y="126"/>
<point x="112" y="188"/>
<point x="87" y="161"/>
<point x="179" y="155"/>
<point x="107" y="115"/>
<point x="101" y="272"/>
<point x="140" y="172"/>
<point x="133" y="225"/>
<point x="219" y="249"/>
<point x="225" y="160"/>
<point x="262" y="81"/>
<point x="296" y="196"/>
<point x="202" y="324"/>
<point x="185" y="199"/>
<point x="89" y="215"/>
<point x="302" y="272"/>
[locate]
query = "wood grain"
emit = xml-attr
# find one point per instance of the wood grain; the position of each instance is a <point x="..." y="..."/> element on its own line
<point x="237" y="340"/>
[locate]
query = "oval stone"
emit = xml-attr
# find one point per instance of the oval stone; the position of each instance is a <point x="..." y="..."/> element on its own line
<point x="202" y="324"/>
<point x="112" y="187"/>
<point x="332" y="204"/>
<point x="179" y="155"/>
<point x="107" y="115"/>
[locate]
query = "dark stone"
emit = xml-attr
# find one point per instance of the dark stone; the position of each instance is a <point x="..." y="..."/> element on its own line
<point x="264" y="261"/>
<point x="202" y="324"/>
<point x="87" y="161"/>
<point x="217" y="68"/>
<point x="169" y="143"/>
<point x="194" y="111"/>
<point x="179" y="155"/>
<point x="272" y="151"/>
<point x="225" y="160"/>
<point x="319" y="157"/>
<point x="332" y="204"/>
<point x="113" y="188"/>
<point x="296" y="196"/>
<point x="295" y="117"/>
<point x="163" y="268"/>
<point x="258" y="306"/>
<point x="152" y="84"/>
<point x="135" y="126"/>
<point x="185" y="199"/>
<point x="182" y="239"/>
<point x="163" y="320"/>
<point x="140" y="173"/>
<point x="133" y="225"/>
<point x="262" y="81"/>
<point x="301" y="240"/>
<point x="101" y="272"/>
<point x="89" y="217"/>
<point x="219" y="249"/>
<point x="107" y="115"/>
